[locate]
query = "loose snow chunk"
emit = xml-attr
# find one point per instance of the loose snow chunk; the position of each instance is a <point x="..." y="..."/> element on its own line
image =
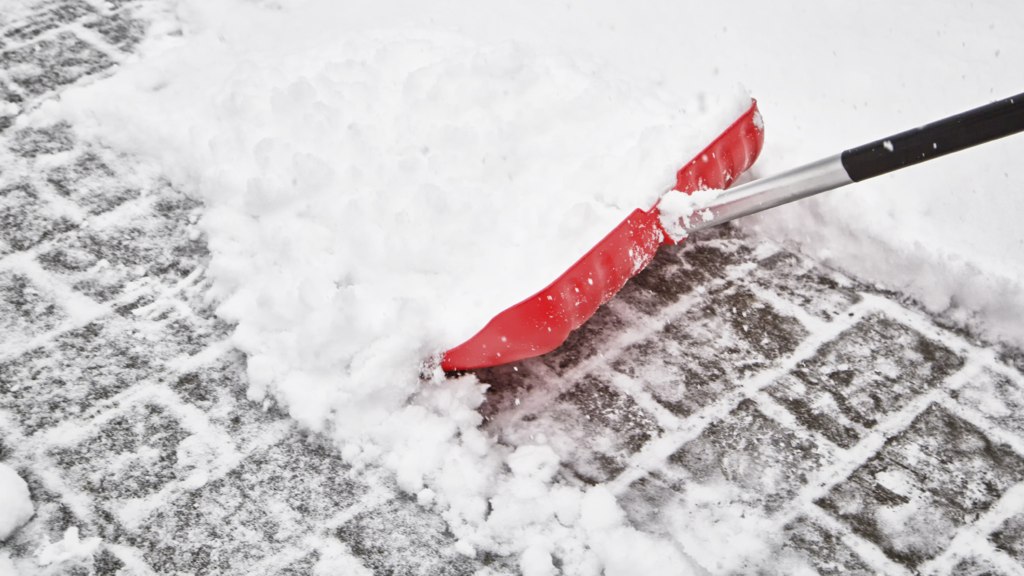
<point x="678" y="211"/>
<point x="15" y="502"/>
<point x="71" y="547"/>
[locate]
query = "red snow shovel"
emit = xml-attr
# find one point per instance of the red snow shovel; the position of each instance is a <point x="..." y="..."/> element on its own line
<point x="543" y="321"/>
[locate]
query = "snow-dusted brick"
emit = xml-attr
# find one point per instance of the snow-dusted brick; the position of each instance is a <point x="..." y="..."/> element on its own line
<point x="871" y="370"/>
<point x="708" y="350"/>
<point x="91" y="183"/>
<point x="925" y="483"/>
<point x="26" y="309"/>
<point x="219" y="390"/>
<point x="588" y="340"/>
<point x="767" y="462"/>
<point x="152" y="250"/>
<point x="810" y="545"/>
<point x="48" y="16"/>
<point x="52" y="62"/>
<point x="40" y="141"/>
<point x="817" y="291"/>
<point x="1010" y="537"/>
<point x="120" y="29"/>
<point x="130" y="456"/>
<point x="71" y="374"/>
<point x="263" y="506"/>
<point x="998" y="396"/>
<point x="26" y="219"/>
<point x="402" y="538"/>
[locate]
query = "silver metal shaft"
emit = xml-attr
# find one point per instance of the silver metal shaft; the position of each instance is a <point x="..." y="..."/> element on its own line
<point x="753" y="197"/>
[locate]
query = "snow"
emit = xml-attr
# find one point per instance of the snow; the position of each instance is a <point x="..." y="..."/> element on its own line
<point x="70" y="547"/>
<point x="381" y="179"/>
<point x="15" y="502"/>
<point x="677" y="212"/>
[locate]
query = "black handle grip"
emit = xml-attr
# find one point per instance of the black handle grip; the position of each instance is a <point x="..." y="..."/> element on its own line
<point x="948" y="135"/>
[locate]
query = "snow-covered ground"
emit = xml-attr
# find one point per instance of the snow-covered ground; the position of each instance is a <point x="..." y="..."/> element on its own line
<point x="379" y="178"/>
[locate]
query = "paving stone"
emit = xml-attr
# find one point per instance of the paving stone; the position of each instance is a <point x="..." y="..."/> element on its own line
<point x="936" y="476"/>
<point x="403" y="539"/>
<point x="26" y="220"/>
<point x="710" y="349"/>
<point x="1012" y="357"/>
<point x="810" y="546"/>
<point x="263" y="506"/>
<point x="1010" y="537"/>
<point x="976" y="566"/>
<point x="49" y="15"/>
<point x="998" y="397"/>
<point x="768" y="462"/>
<point x="509" y="385"/>
<point x="92" y="184"/>
<point x="130" y="456"/>
<point x="51" y="63"/>
<point x="25" y="309"/>
<point x="593" y="424"/>
<point x="871" y="370"/>
<point x="678" y="270"/>
<point x="39" y="141"/>
<point x="11" y="96"/>
<point x="815" y="290"/>
<point x="120" y="29"/>
<point x="156" y="251"/>
<point x="77" y="370"/>
<point x="587" y="341"/>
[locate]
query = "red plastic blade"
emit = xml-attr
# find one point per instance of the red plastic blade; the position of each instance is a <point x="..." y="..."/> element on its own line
<point x="543" y="321"/>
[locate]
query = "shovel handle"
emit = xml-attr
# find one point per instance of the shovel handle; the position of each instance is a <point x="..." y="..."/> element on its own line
<point x="945" y="136"/>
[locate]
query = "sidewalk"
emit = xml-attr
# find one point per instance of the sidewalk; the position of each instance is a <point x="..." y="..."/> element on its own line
<point x="733" y="391"/>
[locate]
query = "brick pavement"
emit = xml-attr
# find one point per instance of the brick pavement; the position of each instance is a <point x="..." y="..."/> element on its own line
<point x="845" y="431"/>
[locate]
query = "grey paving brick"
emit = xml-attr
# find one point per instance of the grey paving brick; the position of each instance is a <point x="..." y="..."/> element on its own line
<point x="403" y="539"/>
<point x="998" y="397"/>
<point x="216" y="388"/>
<point x="39" y="141"/>
<point x="120" y="29"/>
<point x="594" y="424"/>
<point x="132" y="455"/>
<point x="26" y="310"/>
<point x="1012" y="356"/>
<point x="53" y="62"/>
<point x="871" y="370"/>
<point x="10" y="95"/>
<point x="925" y="483"/>
<point x="259" y="509"/>
<point x="26" y="220"/>
<point x="587" y="341"/>
<point x="708" y="350"/>
<point x="48" y="16"/>
<point x="80" y="368"/>
<point x="813" y="289"/>
<point x="509" y="385"/>
<point x="975" y="566"/>
<point x="753" y="452"/>
<point x="819" y="550"/>
<point x="1009" y="537"/>
<point x="103" y="262"/>
<point x="91" y="183"/>
<point x="678" y="270"/>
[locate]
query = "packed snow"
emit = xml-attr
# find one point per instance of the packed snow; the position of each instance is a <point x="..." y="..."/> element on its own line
<point x="380" y="179"/>
<point x="15" y="502"/>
